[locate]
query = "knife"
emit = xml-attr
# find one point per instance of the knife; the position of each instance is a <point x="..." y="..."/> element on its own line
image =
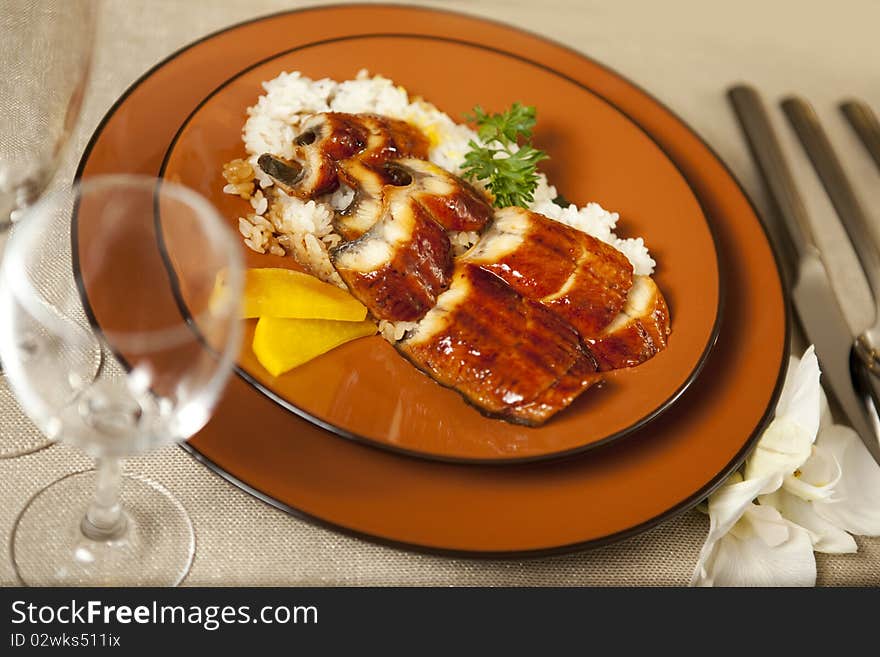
<point x="864" y="122"/>
<point x="855" y="220"/>
<point x="814" y="300"/>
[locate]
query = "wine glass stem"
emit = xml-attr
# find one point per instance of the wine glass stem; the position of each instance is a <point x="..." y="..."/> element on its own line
<point x="104" y="519"/>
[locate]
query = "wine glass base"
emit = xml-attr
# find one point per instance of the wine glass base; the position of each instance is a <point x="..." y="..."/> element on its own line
<point x="49" y="548"/>
<point x="18" y="435"/>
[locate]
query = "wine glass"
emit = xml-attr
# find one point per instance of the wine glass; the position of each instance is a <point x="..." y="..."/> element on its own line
<point x="115" y="250"/>
<point x="45" y="54"/>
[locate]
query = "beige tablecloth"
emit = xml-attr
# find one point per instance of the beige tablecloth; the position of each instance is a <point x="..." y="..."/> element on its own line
<point x="686" y="52"/>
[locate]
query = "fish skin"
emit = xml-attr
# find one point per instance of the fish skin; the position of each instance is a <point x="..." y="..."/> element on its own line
<point x="508" y="356"/>
<point x="332" y="137"/>
<point x="570" y="272"/>
<point x="639" y="333"/>
<point x="452" y="202"/>
<point x="415" y="268"/>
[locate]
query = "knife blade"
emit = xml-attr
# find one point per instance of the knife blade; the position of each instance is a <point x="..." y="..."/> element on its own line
<point x="813" y="297"/>
<point x="826" y="327"/>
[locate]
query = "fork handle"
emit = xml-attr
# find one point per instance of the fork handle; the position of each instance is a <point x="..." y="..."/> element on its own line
<point x="865" y="123"/>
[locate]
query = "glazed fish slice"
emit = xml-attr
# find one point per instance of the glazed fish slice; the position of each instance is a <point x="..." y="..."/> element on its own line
<point x="577" y="276"/>
<point x="391" y="139"/>
<point x="331" y="137"/>
<point x="325" y="139"/>
<point x="452" y="202"/>
<point x="560" y="395"/>
<point x="508" y="356"/>
<point x="403" y="261"/>
<point x="636" y="334"/>
<point x="401" y="265"/>
<point x="367" y="205"/>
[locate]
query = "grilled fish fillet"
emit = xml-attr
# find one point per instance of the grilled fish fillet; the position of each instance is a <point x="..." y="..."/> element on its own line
<point x="331" y="137"/>
<point x="401" y="265"/>
<point x="638" y="333"/>
<point x="522" y="323"/>
<point x="367" y="205"/>
<point x="510" y="357"/>
<point x="452" y="202"/>
<point x="399" y="258"/>
<point x="577" y="276"/>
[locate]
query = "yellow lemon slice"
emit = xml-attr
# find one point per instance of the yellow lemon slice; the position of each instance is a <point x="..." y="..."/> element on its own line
<point x="281" y="344"/>
<point x="276" y="292"/>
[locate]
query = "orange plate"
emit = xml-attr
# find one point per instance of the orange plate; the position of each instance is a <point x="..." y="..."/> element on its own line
<point x="628" y="486"/>
<point x="368" y="392"/>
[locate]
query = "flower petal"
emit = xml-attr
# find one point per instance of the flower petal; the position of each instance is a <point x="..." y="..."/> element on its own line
<point x="725" y="507"/>
<point x="817" y="477"/>
<point x="786" y="443"/>
<point x="825" y="419"/>
<point x="826" y="537"/>
<point x="765" y="550"/>
<point x="784" y="447"/>
<point x="737" y="526"/>
<point x="855" y="504"/>
<point x="728" y="503"/>
<point x="800" y="399"/>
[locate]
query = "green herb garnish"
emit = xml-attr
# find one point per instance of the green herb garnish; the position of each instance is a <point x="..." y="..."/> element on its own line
<point x="507" y="163"/>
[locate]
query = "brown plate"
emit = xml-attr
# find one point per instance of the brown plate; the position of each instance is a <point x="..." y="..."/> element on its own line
<point x="665" y="467"/>
<point x="368" y="392"/>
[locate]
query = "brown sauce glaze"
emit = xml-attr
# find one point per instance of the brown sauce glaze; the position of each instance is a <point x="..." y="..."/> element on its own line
<point x="331" y="137"/>
<point x="401" y="265"/>
<point x="454" y="203"/>
<point x="338" y="136"/>
<point x="577" y="276"/>
<point x="451" y="202"/>
<point x="638" y="333"/>
<point x="391" y="139"/>
<point x="508" y="356"/>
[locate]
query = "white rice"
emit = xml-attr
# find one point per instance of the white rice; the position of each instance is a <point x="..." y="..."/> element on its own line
<point x="282" y="224"/>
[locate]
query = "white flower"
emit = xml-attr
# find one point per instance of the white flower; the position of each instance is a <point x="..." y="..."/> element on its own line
<point x="761" y="549"/>
<point x="854" y="504"/>
<point x="787" y="442"/>
<point x="814" y="482"/>
<point x="824" y="536"/>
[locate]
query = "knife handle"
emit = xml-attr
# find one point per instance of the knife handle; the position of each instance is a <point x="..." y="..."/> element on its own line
<point x="864" y="122"/>
<point x="843" y="197"/>
<point x="774" y="170"/>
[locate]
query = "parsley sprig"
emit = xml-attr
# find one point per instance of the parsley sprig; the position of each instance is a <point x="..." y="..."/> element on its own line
<point x="505" y="161"/>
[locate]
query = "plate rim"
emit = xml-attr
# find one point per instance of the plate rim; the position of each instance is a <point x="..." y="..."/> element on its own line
<point x="682" y="506"/>
<point x="346" y="434"/>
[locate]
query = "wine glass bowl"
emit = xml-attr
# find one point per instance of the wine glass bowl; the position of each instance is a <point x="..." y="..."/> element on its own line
<point x="46" y="57"/>
<point x="49" y="47"/>
<point x="97" y="252"/>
